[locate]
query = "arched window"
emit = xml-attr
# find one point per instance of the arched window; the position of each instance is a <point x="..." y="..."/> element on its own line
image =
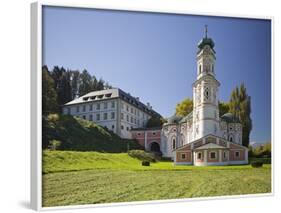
<point x="174" y="143"/>
<point x="230" y="138"/>
<point x="200" y="69"/>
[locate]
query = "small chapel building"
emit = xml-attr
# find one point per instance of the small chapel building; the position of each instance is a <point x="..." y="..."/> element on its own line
<point x="202" y="137"/>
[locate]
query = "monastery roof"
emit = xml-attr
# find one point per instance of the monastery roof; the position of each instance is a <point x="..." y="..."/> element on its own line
<point x="106" y="94"/>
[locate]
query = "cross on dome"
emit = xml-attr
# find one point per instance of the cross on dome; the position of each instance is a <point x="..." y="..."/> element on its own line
<point x="206" y="30"/>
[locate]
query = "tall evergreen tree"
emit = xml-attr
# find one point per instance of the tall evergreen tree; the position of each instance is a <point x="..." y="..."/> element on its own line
<point x="100" y="85"/>
<point x="240" y="106"/>
<point x="85" y="83"/>
<point x="49" y="95"/>
<point x="62" y="85"/>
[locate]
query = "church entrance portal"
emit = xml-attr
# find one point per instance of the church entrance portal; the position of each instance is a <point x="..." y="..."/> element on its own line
<point x="154" y="147"/>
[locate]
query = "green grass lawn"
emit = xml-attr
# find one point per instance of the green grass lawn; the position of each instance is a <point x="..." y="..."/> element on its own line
<point x="72" y="178"/>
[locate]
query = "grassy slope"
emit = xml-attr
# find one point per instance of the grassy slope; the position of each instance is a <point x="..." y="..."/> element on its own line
<point x="82" y="135"/>
<point x="63" y="161"/>
<point x="103" y="178"/>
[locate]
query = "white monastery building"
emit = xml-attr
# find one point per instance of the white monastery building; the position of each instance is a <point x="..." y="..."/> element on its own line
<point x="202" y="137"/>
<point x="114" y="109"/>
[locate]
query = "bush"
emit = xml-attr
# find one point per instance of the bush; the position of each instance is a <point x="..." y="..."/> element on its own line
<point x="54" y="144"/>
<point x="145" y="163"/>
<point x="166" y="159"/>
<point x="256" y="164"/>
<point x="142" y="155"/>
<point x="263" y="160"/>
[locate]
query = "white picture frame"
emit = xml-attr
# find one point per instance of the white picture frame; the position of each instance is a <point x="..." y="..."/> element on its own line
<point x="36" y="97"/>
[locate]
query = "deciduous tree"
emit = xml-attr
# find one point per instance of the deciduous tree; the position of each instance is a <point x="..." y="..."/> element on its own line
<point x="184" y="107"/>
<point x="240" y="107"/>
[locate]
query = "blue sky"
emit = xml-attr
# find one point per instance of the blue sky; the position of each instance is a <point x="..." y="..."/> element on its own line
<point x="153" y="55"/>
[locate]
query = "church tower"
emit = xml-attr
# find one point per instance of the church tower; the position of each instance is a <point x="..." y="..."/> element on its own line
<point x="205" y="91"/>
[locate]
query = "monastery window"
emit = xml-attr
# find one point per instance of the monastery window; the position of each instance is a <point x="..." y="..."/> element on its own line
<point x="84" y="117"/>
<point x="104" y="116"/>
<point x="199" y="155"/>
<point x="127" y="108"/>
<point x="122" y="127"/>
<point x="122" y="116"/>
<point x="128" y="118"/>
<point x="84" y="108"/>
<point x="212" y="67"/>
<point x="90" y="117"/>
<point x="127" y="128"/>
<point x="230" y="138"/>
<point x="200" y="69"/>
<point x="98" y="117"/>
<point x="122" y="106"/>
<point x="132" y="120"/>
<point x="91" y="107"/>
<point x="105" y="105"/>
<point x="112" y="104"/>
<point x="112" y="126"/>
<point x="213" y="155"/>
<point x="237" y="154"/>
<point x="98" y="106"/>
<point x="183" y="156"/>
<point x="68" y="111"/>
<point x="77" y="109"/>
<point x="112" y="115"/>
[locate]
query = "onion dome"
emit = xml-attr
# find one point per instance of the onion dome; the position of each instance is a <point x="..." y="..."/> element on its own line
<point x="186" y="118"/>
<point x="174" y="119"/>
<point x="229" y="118"/>
<point x="206" y="41"/>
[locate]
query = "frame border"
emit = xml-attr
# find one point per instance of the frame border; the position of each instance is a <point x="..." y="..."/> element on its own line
<point x="36" y="99"/>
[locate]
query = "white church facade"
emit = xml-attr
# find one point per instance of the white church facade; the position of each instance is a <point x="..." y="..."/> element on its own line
<point x="202" y="137"/>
